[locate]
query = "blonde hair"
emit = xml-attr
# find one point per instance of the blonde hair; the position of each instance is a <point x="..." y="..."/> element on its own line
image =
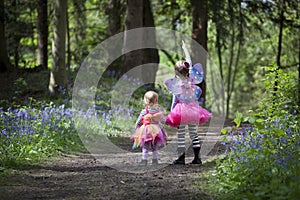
<point x="150" y="98"/>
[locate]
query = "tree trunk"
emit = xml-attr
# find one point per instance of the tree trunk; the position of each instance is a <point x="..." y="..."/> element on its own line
<point x="114" y="12"/>
<point x="134" y="19"/>
<point x="200" y="15"/>
<point x="68" y="45"/>
<point x="278" y="58"/>
<point x="299" y="71"/>
<point x="150" y="55"/>
<point x="58" y="77"/>
<point x="216" y="19"/>
<point x="4" y="61"/>
<point x="79" y="24"/>
<point x="231" y="55"/>
<point x="42" y="29"/>
<point x="139" y="14"/>
<point x="298" y="16"/>
<point x="16" y="35"/>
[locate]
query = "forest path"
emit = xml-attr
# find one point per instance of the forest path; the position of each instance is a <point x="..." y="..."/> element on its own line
<point x="81" y="176"/>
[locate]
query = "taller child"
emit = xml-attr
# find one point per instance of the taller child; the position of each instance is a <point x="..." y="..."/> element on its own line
<point x="185" y="109"/>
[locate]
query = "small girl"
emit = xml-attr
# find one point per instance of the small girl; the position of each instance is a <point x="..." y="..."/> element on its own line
<point x="148" y="131"/>
<point x="185" y="109"/>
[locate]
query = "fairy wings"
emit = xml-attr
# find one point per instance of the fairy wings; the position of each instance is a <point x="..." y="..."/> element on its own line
<point x="187" y="91"/>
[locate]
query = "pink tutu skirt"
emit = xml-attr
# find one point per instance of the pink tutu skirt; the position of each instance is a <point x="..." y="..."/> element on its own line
<point x="148" y="133"/>
<point x="184" y="114"/>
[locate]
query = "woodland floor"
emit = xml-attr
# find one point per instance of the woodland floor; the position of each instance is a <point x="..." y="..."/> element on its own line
<point x="81" y="176"/>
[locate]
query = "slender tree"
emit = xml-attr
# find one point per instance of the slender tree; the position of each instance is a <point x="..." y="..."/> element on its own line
<point x="279" y="47"/>
<point x="42" y="29"/>
<point x="4" y="61"/>
<point x="217" y="20"/>
<point x="80" y="23"/>
<point x="58" y="76"/>
<point x="229" y="23"/>
<point x="298" y="30"/>
<point x="199" y="23"/>
<point x="16" y="35"/>
<point x="150" y="55"/>
<point x="114" y="12"/>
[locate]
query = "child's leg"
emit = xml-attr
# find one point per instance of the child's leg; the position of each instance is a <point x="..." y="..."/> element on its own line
<point x="181" y="145"/>
<point x="145" y="151"/>
<point x="193" y="131"/>
<point x="154" y="153"/>
<point x="181" y="140"/>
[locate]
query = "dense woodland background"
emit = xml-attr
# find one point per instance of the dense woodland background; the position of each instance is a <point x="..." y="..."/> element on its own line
<point x="255" y="45"/>
<point x="46" y="41"/>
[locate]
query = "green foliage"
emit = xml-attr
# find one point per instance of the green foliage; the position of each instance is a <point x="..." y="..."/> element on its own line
<point x="262" y="160"/>
<point x="118" y="114"/>
<point x="37" y="131"/>
<point x="281" y="92"/>
<point x="29" y="134"/>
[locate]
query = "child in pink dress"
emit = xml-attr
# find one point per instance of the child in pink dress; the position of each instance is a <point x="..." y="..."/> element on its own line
<point x="149" y="133"/>
<point x="185" y="110"/>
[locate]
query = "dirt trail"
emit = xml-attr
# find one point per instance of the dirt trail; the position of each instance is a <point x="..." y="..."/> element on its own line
<point x="82" y="176"/>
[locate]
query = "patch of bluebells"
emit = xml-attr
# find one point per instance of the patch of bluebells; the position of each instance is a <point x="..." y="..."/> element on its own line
<point x="262" y="160"/>
<point x="111" y="73"/>
<point x="280" y="150"/>
<point x="277" y="143"/>
<point x="51" y="117"/>
<point x="19" y="127"/>
<point x="118" y="119"/>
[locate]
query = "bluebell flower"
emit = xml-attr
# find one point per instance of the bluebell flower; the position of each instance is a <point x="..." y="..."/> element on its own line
<point x="253" y="144"/>
<point x="62" y="107"/>
<point x="61" y="89"/>
<point x="283" y="140"/>
<point x="231" y="135"/>
<point x="277" y="122"/>
<point x="289" y="131"/>
<point x="3" y="132"/>
<point x="243" y="158"/>
<point x="284" y="163"/>
<point x="295" y="112"/>
<point x="278" y="160"/>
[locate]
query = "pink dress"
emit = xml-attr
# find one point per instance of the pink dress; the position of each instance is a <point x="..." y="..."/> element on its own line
<point x="187" y="113"/>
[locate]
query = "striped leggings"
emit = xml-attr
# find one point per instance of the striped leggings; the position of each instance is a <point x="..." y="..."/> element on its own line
<point x="192" y="129"/>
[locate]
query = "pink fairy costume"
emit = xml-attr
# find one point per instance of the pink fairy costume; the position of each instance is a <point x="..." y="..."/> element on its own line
<point x="150" y="130"/>
<point x="150" y="133"/>
<point x="185" y="108"/>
